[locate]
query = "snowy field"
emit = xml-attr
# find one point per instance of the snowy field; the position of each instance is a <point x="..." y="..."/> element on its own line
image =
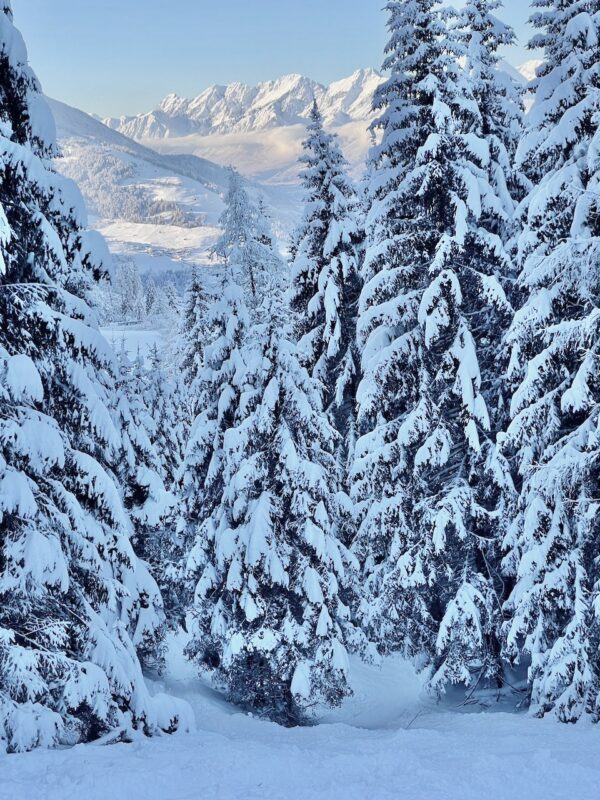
<point x="135" y="340"/>
<point x="156" y="248"/>
<point x="386" y="743"/>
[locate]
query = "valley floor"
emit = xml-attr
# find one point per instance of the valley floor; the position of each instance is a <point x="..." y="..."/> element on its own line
<point x="387" y="742"/>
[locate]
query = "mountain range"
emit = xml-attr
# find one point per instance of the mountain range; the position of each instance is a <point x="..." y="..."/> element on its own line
<point x="239" y="108"/>
<point x="286" y="101"/>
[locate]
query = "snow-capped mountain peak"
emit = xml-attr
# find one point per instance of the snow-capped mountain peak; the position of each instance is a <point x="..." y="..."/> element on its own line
<point x="528" y="69"/>
<point x="172" y="103"/>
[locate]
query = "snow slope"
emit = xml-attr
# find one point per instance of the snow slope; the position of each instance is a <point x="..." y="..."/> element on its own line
<point x="387" y="743"/>
<point x="73" y="124"/>
<point x="158" y="210"/>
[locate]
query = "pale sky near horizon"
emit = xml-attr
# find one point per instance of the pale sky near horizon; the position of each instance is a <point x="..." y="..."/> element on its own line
<point x="117" y="57"/>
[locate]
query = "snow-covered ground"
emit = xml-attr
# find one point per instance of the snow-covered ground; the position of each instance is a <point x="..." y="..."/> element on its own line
<point x="134" y="339"/>
<point x="387" y="742"/>
<point x="158" y="247"/>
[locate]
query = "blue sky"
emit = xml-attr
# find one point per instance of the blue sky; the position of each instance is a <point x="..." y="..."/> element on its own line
<point x="116" y="57"/>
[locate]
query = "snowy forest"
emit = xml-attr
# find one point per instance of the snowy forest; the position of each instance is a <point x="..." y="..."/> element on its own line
<point x="376" y="442"/>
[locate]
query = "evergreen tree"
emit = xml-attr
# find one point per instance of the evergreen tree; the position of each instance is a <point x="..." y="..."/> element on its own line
<point x="140" y="467"/>
<point x="430" y="485"/>
<point x="145" y="497"/>
<point x="246" y="243"/>
<point x="169" y="426"/>
<point x="273" y="266"/>
<point x="258" y="496"/>
<point x="173" y="306"/>
<point x="213" y="341"/>
<point x="325" y="280"/>
<point x="152" y="297"/>
<point x="499" y="100"/>
<point x="72" y="592"/>
<point x="554" y="436"/>
<point x="215" y="394"/>
<point x="129" y="295"/>
<point x="193" y="328"/>
<point x="269" y="624"/>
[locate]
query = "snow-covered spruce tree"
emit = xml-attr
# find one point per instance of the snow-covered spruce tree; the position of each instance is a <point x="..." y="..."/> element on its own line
<point x="499" y="99"/>
<point x="129" y="297"/>
<point x="213" y="337"/>
<point x="554" y="436"/>
<point x="193" y="328"/>
<point x="215" y="394"/>
<point x="246" y="242"/>
<point x="269" y="625"/>
<point x="72" y="592"/>
<point x="142" y="480"/>
<point x="428" y="480"/>
<point x="276" y="270"/>
<point x="165" y="399"/>
<point x="172" y="302"/>
<point x="145" y="497"/>
<point x="325" y="278"/>
<point x="151" y="297"/>
<point x="162" y="398"/>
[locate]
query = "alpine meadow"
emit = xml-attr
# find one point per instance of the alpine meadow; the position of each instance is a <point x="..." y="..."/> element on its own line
<point x="300" y="411"/>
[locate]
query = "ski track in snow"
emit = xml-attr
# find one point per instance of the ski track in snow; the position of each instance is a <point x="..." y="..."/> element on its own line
<point x="387" y="742"/>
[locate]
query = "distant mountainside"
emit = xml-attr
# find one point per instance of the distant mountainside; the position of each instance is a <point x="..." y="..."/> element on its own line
<point x="239" y="108"/>
<point x="159" y="210"/>
<point x="73" y="124"/>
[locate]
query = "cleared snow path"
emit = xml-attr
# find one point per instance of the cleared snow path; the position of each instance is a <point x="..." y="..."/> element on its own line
<point x="386" y="743"/>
